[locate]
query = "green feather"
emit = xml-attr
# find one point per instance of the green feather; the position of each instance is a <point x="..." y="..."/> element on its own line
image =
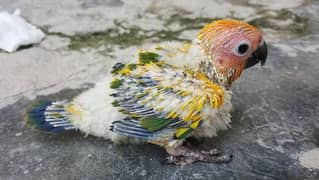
<point x="117" y="68"/>
<point x="123" y="111"/>
<point x="142" y="83"/>
<point x="116" y="83"/>
<point x="138" y="96"/>
<point x="57" y="115"/>
<point x="115" y="103"/>
<point x="131" y="66"/>
<point x="154" y="124"/>
<point x="30" y="119"/>
<point x="147" y="57"/>
<point x="59" y="106"/>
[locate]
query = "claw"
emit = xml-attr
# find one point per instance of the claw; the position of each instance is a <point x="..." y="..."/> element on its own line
<point x="183" y="155"/>
<point x="180" y="160"/>
<point x="212" y="152"/>
<point x="218" y="159"/>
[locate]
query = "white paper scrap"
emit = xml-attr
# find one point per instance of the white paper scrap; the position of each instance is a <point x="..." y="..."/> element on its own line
<point x="16" y="32"/>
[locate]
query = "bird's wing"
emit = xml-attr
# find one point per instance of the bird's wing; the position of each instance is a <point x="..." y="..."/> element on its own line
<point x="157" y="96"/>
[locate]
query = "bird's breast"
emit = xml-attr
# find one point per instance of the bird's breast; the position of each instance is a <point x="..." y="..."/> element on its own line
<point x="215" y="119"/>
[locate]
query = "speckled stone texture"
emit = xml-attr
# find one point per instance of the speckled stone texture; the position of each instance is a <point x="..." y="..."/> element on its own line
<point x="276" y="107"/>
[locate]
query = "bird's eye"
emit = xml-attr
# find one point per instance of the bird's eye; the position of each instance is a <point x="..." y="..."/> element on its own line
<point x="242" y="48"/>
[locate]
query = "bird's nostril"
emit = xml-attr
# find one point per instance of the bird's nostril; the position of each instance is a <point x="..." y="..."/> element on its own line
<point x="220" y="61"/>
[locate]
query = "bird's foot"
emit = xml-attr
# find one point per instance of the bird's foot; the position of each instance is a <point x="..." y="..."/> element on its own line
<point x="184" y="160"/>
<point x="212" y="152"/>
<point x="183" y="155"/>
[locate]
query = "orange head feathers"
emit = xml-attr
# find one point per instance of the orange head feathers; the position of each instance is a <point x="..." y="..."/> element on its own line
<point x="231" y="46"/>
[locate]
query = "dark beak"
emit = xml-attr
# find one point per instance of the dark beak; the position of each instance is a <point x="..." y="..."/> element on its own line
<point x="259" y="55"/>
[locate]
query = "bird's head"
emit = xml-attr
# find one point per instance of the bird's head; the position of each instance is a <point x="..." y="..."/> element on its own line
<point x="230" y="46"/>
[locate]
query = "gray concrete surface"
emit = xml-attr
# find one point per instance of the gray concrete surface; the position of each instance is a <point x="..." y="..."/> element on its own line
<point x="275" y="121"/>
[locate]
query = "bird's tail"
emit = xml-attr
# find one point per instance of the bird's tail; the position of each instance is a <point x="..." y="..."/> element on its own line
<point x="51" y="117"/>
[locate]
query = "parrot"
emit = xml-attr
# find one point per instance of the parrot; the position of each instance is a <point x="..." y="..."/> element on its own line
<point x="168" y="94"/>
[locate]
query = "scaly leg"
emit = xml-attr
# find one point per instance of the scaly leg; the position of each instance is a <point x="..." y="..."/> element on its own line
<point x="184" y="155"/>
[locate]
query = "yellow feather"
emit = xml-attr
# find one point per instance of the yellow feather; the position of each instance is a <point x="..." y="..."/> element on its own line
<point x="185" y="48"/>
<point x="201" y="104"/>
<point x="72" y="109"/>
<point x="159" y="109"/>
<point x="158" y="47"/>
<point x="180" y="132"/>
<point x="125" y="71"/>
<point x="185" y="93"/>
<point x="195" y="124"/>
<point x="171" y="54"/>
<point x="172" y="115"/>
<point x="186" y="104"/>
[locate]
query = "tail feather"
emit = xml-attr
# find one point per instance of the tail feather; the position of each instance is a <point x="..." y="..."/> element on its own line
<point x="49" y="117"/>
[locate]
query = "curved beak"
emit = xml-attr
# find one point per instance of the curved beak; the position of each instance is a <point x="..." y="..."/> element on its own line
<point x="259" y="55"/>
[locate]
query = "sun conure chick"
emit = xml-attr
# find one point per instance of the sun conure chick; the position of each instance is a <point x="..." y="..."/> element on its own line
<point x="156" y="100"/>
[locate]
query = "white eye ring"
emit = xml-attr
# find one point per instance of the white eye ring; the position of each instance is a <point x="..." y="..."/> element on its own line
<point x="242" y="48"/>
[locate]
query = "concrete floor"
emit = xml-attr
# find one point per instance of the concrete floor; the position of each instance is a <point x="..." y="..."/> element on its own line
<point x="275" y="129"/>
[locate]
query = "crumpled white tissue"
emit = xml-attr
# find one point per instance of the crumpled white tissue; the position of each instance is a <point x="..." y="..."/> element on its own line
<point x="15" y="32"/>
